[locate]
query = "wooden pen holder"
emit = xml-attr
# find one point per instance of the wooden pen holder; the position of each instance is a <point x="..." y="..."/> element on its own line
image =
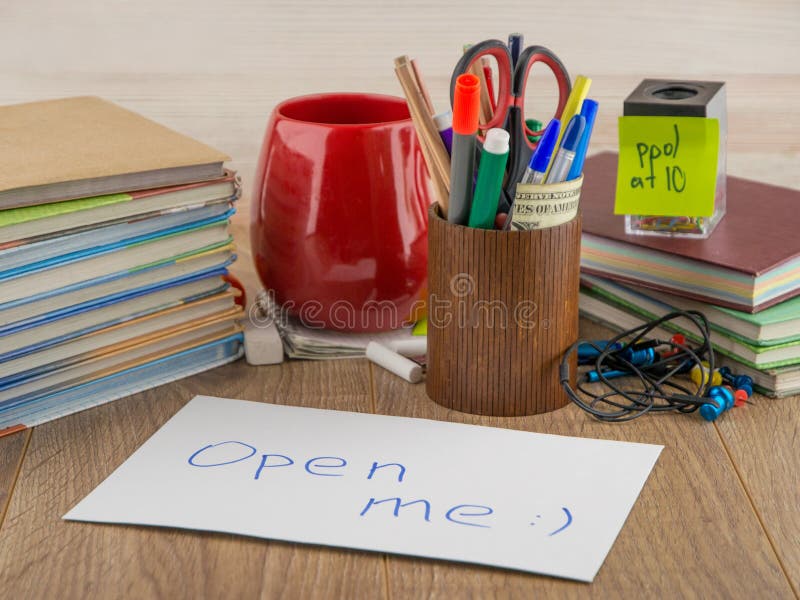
<point x="502" y="310"/>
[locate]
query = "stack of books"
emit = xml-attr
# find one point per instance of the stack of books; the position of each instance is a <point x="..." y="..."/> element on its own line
<point x="745" y="278"/>
<point x="114" y="248"/>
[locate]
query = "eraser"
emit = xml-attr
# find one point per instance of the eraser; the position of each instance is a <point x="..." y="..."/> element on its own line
<point x="391" y="361"/>
<point x="262" y="344"/>
<point x="414" y="346"/>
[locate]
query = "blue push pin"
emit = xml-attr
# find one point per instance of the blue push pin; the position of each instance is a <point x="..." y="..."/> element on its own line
<point x="739" y="382"/>
<point x="720" y="399"/>
<point x="588" y="351"/>
<point x="744" y="382"/>
<point x="640" y="358"/>
<point x="594" y="376"/>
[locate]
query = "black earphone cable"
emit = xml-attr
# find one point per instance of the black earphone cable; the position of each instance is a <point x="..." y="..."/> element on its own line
<point x="656" y="389"/>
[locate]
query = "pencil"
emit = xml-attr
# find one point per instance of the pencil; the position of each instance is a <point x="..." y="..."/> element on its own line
<point x="485" y="107"/>
<point x="441" y="159"/>
<point x="487" y="75"/>
<point x="422" y="87"/>
<point x="433" y="150"/>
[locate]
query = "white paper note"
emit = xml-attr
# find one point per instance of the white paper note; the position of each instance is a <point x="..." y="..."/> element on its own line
<point x="534" y="502"/>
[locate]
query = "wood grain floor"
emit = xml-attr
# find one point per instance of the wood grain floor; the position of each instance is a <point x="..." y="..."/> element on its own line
<point x="720" y="515"/>
<point x="717" y="517"/>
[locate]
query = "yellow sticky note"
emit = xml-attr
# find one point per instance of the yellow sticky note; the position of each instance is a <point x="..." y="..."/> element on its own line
<point x="667" y="166"/>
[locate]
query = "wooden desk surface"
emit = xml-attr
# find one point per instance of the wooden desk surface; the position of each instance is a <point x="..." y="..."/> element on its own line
<point x="719" y="515"/>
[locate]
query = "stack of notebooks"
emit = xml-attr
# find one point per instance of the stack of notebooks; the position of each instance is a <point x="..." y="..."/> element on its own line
<point x="745" y="278"/>
<point x="114" y="248"/>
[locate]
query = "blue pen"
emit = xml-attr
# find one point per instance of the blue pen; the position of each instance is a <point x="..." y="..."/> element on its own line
<point x="515" y="41"/>
<point x="566" y="154"/>
<point x="540" y="159"/>
<point x="537" y="167"/>
<point x="589" y="112"/>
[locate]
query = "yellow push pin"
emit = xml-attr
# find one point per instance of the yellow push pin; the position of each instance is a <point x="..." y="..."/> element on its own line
<point x="699" y="375"/>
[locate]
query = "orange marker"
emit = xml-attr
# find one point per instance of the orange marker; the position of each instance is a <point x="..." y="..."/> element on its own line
<point x="466" y="106"/>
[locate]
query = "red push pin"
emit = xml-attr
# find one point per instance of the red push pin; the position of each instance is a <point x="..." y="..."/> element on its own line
<point x="677" y="340"/>
<point x="739" y="398"/>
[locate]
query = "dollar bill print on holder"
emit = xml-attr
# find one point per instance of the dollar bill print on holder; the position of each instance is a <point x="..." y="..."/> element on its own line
<point x="542" y="206"/>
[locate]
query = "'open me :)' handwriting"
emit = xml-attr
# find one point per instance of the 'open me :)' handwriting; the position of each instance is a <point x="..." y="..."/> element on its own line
<point x="222" y="454"/>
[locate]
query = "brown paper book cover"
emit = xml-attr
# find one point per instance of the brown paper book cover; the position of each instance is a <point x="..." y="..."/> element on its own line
<point x="86" y="146"/>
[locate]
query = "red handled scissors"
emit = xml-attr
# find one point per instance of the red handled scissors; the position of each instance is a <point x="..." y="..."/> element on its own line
<point x="510" y="111"/>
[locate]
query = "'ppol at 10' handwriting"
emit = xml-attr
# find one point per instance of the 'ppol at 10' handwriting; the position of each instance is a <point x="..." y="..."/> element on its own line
<point x="651" y="157"/>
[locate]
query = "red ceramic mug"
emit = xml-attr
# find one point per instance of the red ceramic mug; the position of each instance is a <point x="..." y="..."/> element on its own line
<point x="339" y="214"/>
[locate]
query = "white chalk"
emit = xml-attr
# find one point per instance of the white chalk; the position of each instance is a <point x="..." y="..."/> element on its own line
<point x="391" y="361"/>
<point x="413" y="346"/>
<point x="262" y="344"/>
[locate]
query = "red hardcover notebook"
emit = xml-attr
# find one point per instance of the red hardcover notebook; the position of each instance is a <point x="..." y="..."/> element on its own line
<point x="750" y="261"/>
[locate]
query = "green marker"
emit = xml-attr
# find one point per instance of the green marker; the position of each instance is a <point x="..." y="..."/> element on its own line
<point x="490" y="179"/>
